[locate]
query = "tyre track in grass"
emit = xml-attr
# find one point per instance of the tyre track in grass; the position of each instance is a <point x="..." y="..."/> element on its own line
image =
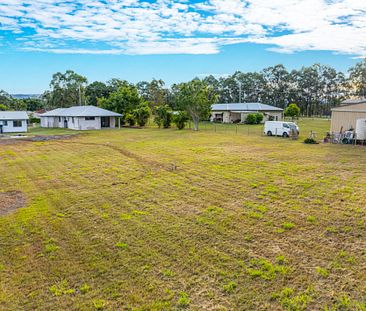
<point x="146" y="163"/>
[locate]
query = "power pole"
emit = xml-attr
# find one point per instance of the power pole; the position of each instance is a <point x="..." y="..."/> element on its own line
<point x="239" y="92"/>
<point x="80" y="95"/>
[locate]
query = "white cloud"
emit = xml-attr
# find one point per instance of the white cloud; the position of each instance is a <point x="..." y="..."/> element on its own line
<point x="179" y="26"/>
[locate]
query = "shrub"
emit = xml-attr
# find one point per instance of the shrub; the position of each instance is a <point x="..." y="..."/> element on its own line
<point x="3" y="107"/>
<point x="34" y="120"/>
<point x="251" y="119"/>
<point x="292" y="111"/>
<point x="259" y="117"/>
<point x="180" y="119"/>
<point x="254" y="118"/>
<point x="130" y="119"/>
<point x="310" y="141"/>
<point x="142" y="114"/>
<point x="163" y="116"/>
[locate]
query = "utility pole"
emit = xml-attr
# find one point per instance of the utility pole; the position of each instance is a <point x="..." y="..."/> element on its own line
<point x="80" y="95"/>
<point x="239" y="92"/>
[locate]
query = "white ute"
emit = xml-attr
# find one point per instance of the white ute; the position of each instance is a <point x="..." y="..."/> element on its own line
<point x="280" y="128"/>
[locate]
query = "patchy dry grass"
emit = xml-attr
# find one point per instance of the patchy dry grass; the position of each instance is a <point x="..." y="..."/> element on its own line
<point x="165" y="219"/>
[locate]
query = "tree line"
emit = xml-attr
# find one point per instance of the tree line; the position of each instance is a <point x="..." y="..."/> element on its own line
<point x="315" y="89"/>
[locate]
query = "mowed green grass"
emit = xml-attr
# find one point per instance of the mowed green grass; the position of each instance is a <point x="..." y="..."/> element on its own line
<point x="153" y="219"/>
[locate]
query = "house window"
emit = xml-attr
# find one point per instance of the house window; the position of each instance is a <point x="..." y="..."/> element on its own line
<point x="89" y="118"/>
<point x="17" y="123"/>
<point x="4" y="123"/>
<point x="72" y="119"/>
<point x="59" y="119"/>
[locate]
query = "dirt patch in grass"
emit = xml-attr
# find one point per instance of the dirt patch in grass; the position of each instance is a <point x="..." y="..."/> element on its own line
<point x="51" y="137"/>
<point x="37" y="138"/>
<point x="10" y="201"/>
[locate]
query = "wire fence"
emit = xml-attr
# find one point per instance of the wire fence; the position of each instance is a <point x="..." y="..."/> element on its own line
<point x="239" y="129"/>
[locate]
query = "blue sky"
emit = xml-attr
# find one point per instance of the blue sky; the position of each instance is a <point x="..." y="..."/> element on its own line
<point x="175" y="40"/>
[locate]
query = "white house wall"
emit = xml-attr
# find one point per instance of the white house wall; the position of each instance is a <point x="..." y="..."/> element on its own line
<point x="83" y="124"/>
<point x="112" y="121"/>
<point x="49" y="122"/>
<point x="9" y="128"/>
<point x="44" y="122"/>
<point x="75" y="123"/>
<point x="276" y="115"/>
<point x="226" y="117"/>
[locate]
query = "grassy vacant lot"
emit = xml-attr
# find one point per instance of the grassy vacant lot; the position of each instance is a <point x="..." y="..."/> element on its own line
<point x="164" y="219"/>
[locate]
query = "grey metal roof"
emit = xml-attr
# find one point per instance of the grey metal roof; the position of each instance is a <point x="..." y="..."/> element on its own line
<point x="13" y="115"/>
<point x="244" y="107"/>
<point x="80" y="111"/>
<point x="53" y="113"/>
<point x="354" y="101"/>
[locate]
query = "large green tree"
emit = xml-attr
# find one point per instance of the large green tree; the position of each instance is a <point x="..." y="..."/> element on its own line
<point x="96" y="90"/>
<point x="153" y="92"/>
<point x="32" y="104"/>
<point x="357" y="79"/>
<point x="276" y="86"/>
<point x="196" y="98"/>
<point x="66" y="90"/>
<point x="123" y="101"/>
<point x="316" y="88"/>
<point x="5" y="100"/>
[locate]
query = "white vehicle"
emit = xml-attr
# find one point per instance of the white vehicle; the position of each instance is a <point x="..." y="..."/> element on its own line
<point x="280" y="128"/>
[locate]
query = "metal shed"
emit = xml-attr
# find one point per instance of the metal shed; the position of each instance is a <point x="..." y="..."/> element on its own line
<point x="345" y="116"/>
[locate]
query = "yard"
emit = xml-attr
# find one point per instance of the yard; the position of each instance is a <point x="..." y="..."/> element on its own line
<point x="154" y="219"/>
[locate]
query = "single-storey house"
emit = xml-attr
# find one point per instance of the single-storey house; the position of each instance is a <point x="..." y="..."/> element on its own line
<point x="345" y="116"/>
<point x="80" y="118"/>
<point x="231" y="113"/>
<point x="13" y="121"/>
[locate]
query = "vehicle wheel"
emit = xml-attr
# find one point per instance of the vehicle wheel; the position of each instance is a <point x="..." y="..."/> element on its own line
<point x="269" y="133"/>
<point x="285" y="134"/>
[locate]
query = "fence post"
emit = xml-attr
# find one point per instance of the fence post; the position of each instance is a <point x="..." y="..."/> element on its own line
<point x="236" y="129"/>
